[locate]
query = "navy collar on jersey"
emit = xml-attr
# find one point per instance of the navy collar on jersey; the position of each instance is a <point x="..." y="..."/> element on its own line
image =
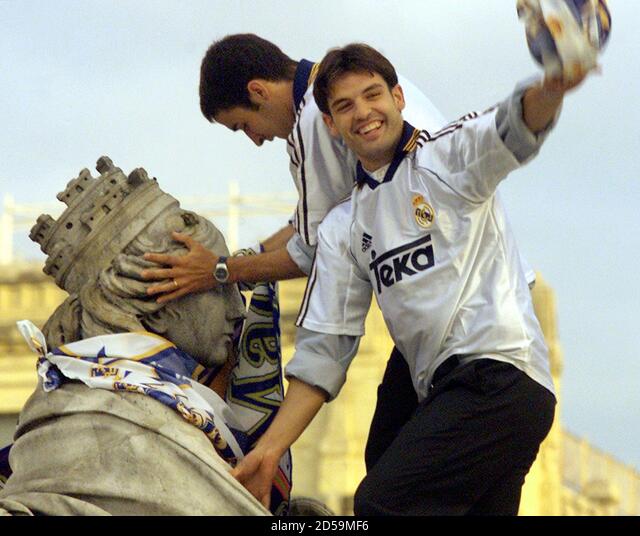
<point x="305" y="73"/>
<point x="406" y="145"/>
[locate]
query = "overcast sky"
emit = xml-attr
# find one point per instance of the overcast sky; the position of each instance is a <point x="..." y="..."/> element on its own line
<point x="79" y="79"/>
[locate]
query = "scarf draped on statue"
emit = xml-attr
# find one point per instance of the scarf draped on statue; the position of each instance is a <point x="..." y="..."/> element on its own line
<point x="145" y="363"/>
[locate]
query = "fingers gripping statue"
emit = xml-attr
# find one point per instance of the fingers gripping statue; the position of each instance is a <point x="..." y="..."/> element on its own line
<point x="86" y="441"/>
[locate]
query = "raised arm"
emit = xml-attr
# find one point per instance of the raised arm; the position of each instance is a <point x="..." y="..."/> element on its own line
<point x="541" y="102"/>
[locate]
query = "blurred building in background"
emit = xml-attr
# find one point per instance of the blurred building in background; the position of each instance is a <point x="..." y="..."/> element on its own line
<point x="570" y="476"/>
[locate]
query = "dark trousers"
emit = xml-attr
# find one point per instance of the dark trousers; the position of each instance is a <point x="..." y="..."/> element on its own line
<point x="464" y="450"/>
<point x="397" y="400"/>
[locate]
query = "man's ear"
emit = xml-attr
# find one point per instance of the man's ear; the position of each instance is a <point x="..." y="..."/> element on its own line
<point x="258" y="91"/>
<point x="398" y="97"/>
<point x="328" y="120"/>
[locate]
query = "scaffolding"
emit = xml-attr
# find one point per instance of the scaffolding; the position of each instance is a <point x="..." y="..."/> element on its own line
<point x="20" y="217"/>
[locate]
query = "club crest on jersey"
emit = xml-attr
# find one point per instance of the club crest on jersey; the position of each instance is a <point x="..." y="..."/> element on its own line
<point x="422" y="211"/>
<point x="403" y="261"/>
<point x="366" y="242"/>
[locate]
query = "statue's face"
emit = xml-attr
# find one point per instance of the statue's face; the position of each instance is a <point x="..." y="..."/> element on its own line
<point x="200" y="324"/>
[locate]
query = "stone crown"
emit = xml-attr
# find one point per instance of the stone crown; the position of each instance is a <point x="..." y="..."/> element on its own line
<point x="102" y="217"/>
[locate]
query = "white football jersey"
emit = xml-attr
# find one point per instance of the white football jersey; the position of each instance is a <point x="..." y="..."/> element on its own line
<point x="431" y="240"/>
<point x="322" y="167"/>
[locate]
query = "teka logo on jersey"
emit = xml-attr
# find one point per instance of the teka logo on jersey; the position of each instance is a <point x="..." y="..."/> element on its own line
<point x="407" y="260"/>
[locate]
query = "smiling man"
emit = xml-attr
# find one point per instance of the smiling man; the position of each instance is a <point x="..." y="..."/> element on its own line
<point x="425" y="233"/>
<point x="363" y="116"/>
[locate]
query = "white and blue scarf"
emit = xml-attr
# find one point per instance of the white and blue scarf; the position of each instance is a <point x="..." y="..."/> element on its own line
<point x="148" y="364"/>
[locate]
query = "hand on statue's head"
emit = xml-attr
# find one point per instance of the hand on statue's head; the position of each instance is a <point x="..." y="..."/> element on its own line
<point x="189" y="273"/>
<point x="201" y="324"/>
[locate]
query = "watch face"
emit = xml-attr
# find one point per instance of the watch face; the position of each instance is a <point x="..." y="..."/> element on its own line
<point x="221" y="273"/>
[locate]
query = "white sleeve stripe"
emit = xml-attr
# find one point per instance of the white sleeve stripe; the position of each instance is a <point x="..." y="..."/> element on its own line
<point x="422" y="138"/>
<point x="304" y="307"/>
<point x="303" y="194"/>
<point x="446" y="130"/>
<point x="298" y="216"/>
<point x="295" y="159"/>
<point x="451" y="127"/>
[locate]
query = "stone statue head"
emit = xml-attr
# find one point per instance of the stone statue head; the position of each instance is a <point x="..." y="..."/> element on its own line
<point x="95" y="252"/>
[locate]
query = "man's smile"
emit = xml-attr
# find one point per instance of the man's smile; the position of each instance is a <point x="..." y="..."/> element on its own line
<point x="370" y="130"/>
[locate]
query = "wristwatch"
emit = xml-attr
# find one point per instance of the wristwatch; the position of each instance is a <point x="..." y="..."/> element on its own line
<point x="221" y="272"/>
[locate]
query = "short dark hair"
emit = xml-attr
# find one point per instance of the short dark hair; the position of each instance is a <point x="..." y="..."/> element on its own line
<point x="231" y="63"/>
<point x="353" y="58"/>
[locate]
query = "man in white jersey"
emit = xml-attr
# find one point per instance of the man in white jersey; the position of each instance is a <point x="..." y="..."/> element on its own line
<point x="427" y="235"/>
<point x="248" y="84"/>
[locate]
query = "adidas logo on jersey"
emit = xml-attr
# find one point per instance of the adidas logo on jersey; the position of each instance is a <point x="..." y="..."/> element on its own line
<point x="403" y="261"/>
<point x="366" y="242"/>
